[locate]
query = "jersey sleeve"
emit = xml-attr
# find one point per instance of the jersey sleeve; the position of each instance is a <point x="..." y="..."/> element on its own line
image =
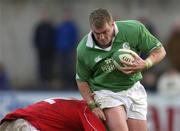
<point x="147" y="42"/>
<point x="82" y="71"/>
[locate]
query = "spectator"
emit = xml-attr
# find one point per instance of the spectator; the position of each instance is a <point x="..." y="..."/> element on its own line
<point x="150" y="81"/>
<point x="66" y="40"/>
<point x="173" y="46"/>
<point x="44" y="45"/>
<point x="168" y="84"/>
<point x="4" y="82"/>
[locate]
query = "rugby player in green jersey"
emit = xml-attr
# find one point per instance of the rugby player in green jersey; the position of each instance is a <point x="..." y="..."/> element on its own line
<point x="116" y="96"/>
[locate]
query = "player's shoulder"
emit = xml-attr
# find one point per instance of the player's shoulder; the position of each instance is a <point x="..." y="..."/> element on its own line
<point x="82" y="47"/>
<point x="82" y="42"/>
<point x="128" y="24"/>
<point x="129" y="27"/>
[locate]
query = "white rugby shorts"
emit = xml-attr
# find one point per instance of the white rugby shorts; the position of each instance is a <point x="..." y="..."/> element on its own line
<point x="133" y="99"/>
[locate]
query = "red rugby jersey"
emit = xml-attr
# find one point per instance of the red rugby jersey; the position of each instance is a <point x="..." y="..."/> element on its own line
<point x="58" y="115"/>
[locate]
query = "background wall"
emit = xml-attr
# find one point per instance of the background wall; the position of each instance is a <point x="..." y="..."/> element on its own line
<point x="18" y="18"/>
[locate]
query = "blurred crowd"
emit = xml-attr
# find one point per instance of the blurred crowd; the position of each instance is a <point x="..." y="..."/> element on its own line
<point x="55" y="49"/>
<point x="55" y="45"/>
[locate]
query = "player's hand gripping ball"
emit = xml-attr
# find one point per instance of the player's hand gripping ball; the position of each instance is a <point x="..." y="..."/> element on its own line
<point x="123" y="55"/>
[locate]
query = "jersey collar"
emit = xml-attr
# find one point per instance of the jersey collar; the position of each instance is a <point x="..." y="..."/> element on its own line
<point x="90" y="42"/>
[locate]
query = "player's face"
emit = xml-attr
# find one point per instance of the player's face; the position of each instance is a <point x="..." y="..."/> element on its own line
<point x="104" y="35"/>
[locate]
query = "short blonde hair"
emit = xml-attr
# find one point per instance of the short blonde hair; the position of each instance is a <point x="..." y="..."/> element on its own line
<point x="99" y="17"/>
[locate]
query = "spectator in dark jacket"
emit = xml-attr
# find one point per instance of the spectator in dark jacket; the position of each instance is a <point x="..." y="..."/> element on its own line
<point x="44" y="37"/>
<point x="4" y="81"/>
<point x="66" y="40"/>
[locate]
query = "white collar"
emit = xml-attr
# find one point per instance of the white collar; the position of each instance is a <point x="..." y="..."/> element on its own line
<point x="89" y="42"/>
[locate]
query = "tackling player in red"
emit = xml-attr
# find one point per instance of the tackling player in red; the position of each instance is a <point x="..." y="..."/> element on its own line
<point x="55" y="114"/>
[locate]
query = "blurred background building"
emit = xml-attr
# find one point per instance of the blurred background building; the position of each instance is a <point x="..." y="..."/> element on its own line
<point x="28" y="63"/>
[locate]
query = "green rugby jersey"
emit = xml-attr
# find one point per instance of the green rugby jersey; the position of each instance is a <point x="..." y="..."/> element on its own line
<point x="94" y="65"/>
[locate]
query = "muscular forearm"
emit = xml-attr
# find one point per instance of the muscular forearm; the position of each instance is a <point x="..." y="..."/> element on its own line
<point x="87" y="96"/>
<point x="85" y="91"/>
<point x="157" y="55"/>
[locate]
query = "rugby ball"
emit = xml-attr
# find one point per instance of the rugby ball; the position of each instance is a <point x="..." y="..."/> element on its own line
<point x="122" y="55"/>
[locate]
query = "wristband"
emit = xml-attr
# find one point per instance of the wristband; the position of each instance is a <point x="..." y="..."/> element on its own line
<point x="92" y="105"/>
<point x="148" y="63"/>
